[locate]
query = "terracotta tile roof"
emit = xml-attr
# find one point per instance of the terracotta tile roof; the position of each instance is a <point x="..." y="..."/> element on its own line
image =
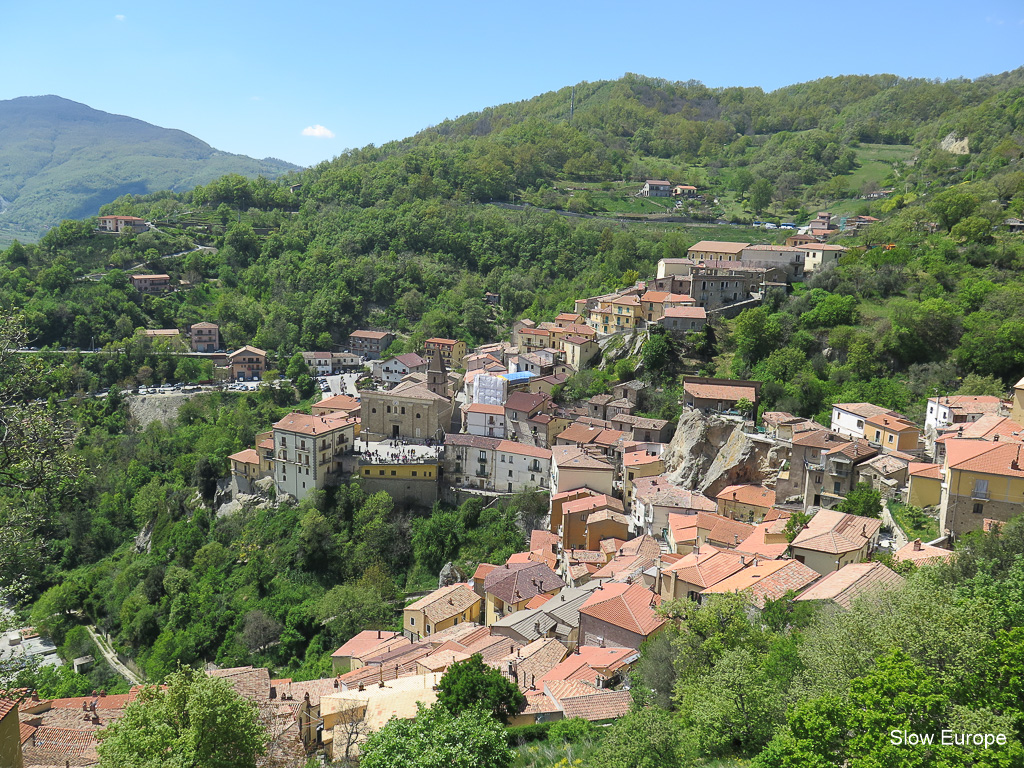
<point x="247" y="348"/>
<point x="629" y="606"/>
<point x="969" y="403"/>
<point x="658" y="491"/>
<point x="25" y="731"/>
<point x="248" y="456"/>
<point x="541" y="539"/>
<point x="861" y="450"/>
<point x="522" y="581"/>
<point x="988" y="426"/>
<point x="445" y="603"/>
<point x="757" y="544"/>
<point x="482" y="570"/>
<point x="819" y="438"/>
<point x="496" y="410"/>
<point x="65" y="741"/>
<point x="250" y="682"/>
<point x="492" y="647"/>
<point x="607" y="514"/>
<point x="654" y="297"/>
<point x="731" y="533"/>
<point x="571" y="457"/>
<point x="851" y="581"/>
<point x="640" y="458"/>
<point x="864" y="410"/>
<point x="338" y="403"/>
<point x="706" y="566"/>
<point x="601" y="705"/>
<point x="538" y="601"/>
<point x="720" y="391"/>
<point x="413" y="390"/>
<point x="521" y="449"/>
<point x="892" y="423"/>
<point x="916" y="552"/>
<point x="925" y="469"/>
<point x="304" y="424"/>
<point x="836" y="532"/>
<point x="754" y="495"/>
<point x="599" y="501"/>
<point x="6" y="705"/>
<point x="369" y="334"/>
<point x="113" y="701"/>
<point x="1002" y="459"/>
<point x="687" y="313"/>
<point x="887" y="464"/>
<point x="768" y="580"/>
<point x="718" y="246"/>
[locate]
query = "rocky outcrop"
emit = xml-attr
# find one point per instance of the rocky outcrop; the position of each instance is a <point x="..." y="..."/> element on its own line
<point x="711" y="452"/>
<point x="449" y="575"/>
<point x="955" y="145"/>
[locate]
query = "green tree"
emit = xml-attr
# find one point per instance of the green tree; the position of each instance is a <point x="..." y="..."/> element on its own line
<point x="648" y="738"/>
<point x="470" y="683"/>
<point x="761" y="195"/>
<point x="863" y="500"/>
<point x="195" y="722"/>
<point x="973" y="229"/>
<point x="660" y="356"/>
<point x="437" y="738"/>
<point x="951" y="206"/>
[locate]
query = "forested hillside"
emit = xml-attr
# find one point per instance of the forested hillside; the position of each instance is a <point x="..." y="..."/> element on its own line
<point x="63" y="160"/>
<point x="929" y="299"/>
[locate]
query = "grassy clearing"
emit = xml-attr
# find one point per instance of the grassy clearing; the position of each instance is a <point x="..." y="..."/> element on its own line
<point x="876" y="162"/>
<point x="914" y="523"/>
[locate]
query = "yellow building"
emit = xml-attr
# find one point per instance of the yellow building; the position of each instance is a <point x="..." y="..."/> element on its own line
<point x="891" y="433"/>
<point x="983" y="481"/>
<point x="508" y="588"/>
<point x="451" y="350"/>
<point x="10" y="735"/>
<point x="749" y="503"/>
<point x="573" y="467"/>
<point x="1017" y="410"/>
<point x="441" y="609"/>
<point x="716" y="250"/>
<point x="245" y="465"/>
<point x="834" y="539"/>
<point x="924" y="484"/>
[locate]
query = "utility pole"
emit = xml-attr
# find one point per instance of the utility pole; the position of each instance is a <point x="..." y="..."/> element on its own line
<point x="572" y="104"/>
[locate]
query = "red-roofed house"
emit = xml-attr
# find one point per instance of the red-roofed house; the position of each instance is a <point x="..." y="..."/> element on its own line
<point x="619" y="614"/>
<point x="851" y="581"/>
<point x="919" y="554"/>
<point x="745" y="502"/>
<point x="442" y="608"/>
<point x="766" y="580"/>
<point x="369" y="642"/>
<point x="982" y="480"/>
<point x="708" y="394"/>
<point x="833" y="539"/>
<point x="10" y="735"/>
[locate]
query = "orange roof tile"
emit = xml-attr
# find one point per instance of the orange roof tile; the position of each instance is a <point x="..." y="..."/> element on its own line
<point x="836" y="532"/>
<point x="767" y="580"/>
<point x="851" y="581"/>
<point x="754" y="495"/>
<point x="630" y="606"/>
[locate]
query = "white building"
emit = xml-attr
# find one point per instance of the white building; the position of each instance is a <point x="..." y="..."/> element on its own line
<point x="848" y="418"/>
<point x="959" y="409"/>
<point x="391" y="371"/>
<point x="319" y="363"/>
<point x="495" y="465"/>
<point x="484" y="420"/>
<point x="308" y="451"/>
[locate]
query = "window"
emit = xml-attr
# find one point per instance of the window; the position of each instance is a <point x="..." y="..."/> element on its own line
<point x="373" y="410"/>
<point x="979" y="507"/>
<point x="414" y="473"/>
<point x="389" y="409"/>
<point x="382" y="473"/>
<point x="510" y="473"/>
<point x="412" y="621"/>
<point x="393" y="473"/>
<point x="403" y="410"/>
<point x="417" y="415"/>
<point x="890" y="438"/>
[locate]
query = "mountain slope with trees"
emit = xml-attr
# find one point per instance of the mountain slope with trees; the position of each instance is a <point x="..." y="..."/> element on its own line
<point x="63" y="160"/>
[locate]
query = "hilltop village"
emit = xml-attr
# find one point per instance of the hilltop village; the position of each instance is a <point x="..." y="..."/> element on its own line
<point x="641" y="511"/>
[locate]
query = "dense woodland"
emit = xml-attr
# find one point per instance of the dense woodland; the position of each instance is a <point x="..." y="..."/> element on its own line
<point x="123" y="534"/>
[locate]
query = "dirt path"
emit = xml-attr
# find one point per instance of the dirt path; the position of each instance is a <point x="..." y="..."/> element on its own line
<point x="111" y="657"/>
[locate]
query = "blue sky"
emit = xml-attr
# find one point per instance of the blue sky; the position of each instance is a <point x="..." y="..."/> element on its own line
<point x="253" y="77"/>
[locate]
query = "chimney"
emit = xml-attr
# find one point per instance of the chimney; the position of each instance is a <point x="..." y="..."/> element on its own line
<point x="743" y="560"/>
<point x="378" y="634"/>
<point x="995" y="438"/>
<point x="917" y="545"/>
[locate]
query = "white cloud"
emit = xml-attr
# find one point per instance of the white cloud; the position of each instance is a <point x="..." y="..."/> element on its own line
<point x="317" y="131"/>
<point x="119" y="17"/>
